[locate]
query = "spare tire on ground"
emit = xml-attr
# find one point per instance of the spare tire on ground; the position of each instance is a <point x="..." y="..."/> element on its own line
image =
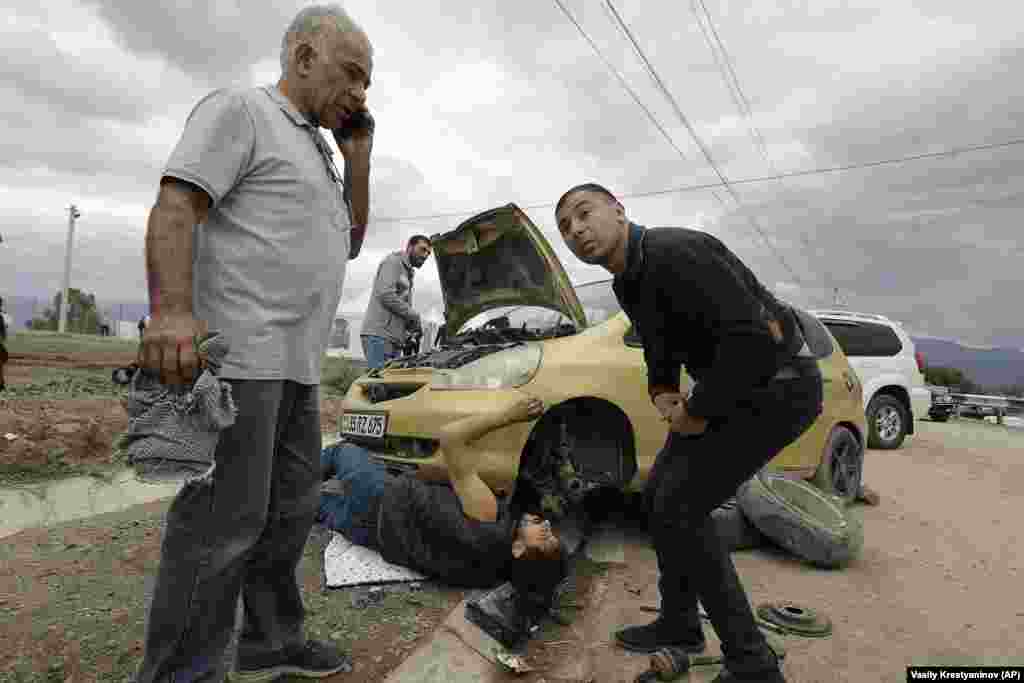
<point x="735" y="530"/>
<point x="802" y="519"/>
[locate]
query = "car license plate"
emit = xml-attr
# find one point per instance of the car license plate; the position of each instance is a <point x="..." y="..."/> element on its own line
<point x="373" y="425"/>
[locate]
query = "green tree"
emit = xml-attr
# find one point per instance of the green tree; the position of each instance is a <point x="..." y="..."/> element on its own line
<point x="954" y="378"/>
<point x="83" y="316"/>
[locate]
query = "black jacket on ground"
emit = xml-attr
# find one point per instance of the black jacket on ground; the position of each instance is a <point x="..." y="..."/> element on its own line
<point x="422" y="525"/>
<point x="695" y="304"/>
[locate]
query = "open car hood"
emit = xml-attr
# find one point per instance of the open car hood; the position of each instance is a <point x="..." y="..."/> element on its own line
<point x="500" y="258"/>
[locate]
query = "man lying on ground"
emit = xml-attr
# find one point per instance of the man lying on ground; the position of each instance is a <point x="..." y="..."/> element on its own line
<point x="458" y="530"/>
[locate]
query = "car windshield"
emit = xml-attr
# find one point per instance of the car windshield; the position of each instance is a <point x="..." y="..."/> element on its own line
<point x="597" y="298"/>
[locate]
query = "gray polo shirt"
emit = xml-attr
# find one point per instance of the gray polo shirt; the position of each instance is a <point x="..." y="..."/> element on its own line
<point x="270" y="259"/>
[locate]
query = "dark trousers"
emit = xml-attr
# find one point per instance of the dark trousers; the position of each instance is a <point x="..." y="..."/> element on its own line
<point x="239" y="530"/>
<point x="694" y="475"/>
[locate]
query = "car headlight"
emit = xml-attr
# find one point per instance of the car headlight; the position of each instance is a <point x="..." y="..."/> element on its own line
<point x="512" y="367"/>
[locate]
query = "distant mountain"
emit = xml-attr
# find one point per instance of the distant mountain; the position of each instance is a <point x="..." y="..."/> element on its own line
<point x="988" y="367"/>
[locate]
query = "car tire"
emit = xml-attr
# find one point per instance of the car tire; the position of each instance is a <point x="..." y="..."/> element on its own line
<point x="841" y="469"/>
<point x="802" y="519"/>
<point x="888" y="422"/>
<point x="735" y="530"/>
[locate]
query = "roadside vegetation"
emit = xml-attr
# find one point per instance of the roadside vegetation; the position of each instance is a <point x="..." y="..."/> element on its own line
<point x="61" y="414"/>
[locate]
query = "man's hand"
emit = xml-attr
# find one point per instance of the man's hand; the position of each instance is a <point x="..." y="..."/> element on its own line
<point x="686" y="424"/>
<point x="525" y="409"/>
<point x="169" y="347"/>
<point x="672" y="407"/>
<point x="668" y="405"/>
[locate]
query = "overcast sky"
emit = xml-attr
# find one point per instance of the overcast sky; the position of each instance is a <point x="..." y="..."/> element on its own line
<point x="483" y="103"/>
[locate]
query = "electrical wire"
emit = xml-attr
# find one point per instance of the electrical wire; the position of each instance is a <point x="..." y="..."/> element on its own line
<point x="952" y="152"/>
<point x="699" y="142"/>
<point x="726" y="67"/>
<point x="620" y="78"/>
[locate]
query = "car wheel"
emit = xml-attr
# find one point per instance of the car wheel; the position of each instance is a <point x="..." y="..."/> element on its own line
<point x="802" y="519"/>
<point x="735" y="530"/>
<point x="887" y="422"/>
<point x="842" y="466"/>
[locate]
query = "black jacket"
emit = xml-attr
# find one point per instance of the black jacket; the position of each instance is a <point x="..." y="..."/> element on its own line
<point x="422" y="526"/>
<point x="695" y="304"/>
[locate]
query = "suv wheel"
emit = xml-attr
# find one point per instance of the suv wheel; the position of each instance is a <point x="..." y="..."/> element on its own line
<point x="887" y="422"/>
<point x="842" y="466"/>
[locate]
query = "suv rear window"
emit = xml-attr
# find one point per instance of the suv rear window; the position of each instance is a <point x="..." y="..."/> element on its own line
<point x="865" y="339"/>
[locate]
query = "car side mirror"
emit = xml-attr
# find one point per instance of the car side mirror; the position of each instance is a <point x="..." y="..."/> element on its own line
<point x="631" y="338"/>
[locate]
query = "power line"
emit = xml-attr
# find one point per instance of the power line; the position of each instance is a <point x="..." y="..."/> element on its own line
<point x="620" y="78"/>
<point x="955" y="151"/>
<point x="726" y="67"/>
<point x="696" y="138"/>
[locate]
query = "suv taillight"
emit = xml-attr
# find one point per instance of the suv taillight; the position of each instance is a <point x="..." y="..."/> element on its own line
<point x="920" y="360"/>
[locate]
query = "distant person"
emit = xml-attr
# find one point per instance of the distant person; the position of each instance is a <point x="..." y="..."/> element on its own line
<point x="143" y="321"/>
<point x="265" y="269"/>
<point x="3" y="344"/>
<point x="454" y="529"/>
<point x="390" y="318"/>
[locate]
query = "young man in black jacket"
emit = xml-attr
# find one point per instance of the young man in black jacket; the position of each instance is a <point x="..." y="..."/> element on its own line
<point x="694" y="304"/>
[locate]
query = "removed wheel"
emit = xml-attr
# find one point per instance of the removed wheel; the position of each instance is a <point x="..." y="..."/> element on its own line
<point x="842" y="466"/>
<point x="888" y="422"/>
<point x="735" y="530"/>
<point x="802" y="519"/>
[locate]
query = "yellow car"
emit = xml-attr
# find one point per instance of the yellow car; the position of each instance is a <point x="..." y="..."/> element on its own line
<point x="514" y="324"/>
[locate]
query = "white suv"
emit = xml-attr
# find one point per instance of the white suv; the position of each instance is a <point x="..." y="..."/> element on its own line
<point x="883" y="355"/>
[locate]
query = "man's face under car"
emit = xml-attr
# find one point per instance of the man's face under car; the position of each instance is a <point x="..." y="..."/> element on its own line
<point x="535" y="532"/>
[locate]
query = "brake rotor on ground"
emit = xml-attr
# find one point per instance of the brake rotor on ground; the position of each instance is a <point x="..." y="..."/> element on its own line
<point x="795" y="619"/>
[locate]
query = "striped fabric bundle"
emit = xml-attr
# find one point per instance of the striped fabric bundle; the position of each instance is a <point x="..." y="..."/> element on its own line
<point x="173" y="430"/>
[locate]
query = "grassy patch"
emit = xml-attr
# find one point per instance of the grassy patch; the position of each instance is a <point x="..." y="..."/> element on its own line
<point x="56" y="467"/>
<point x="64" y="383"/>
<point x="338" y="374"/>
<point x="25" y="341"/>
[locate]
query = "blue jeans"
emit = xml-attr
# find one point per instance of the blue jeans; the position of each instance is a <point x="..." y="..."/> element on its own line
<point x="378" y="350"/>
<point x="241" y="529"/>
<point x="352" y="512"/>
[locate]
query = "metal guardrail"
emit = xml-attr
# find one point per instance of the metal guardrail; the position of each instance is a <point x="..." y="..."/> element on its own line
<point x="999" y="406"/>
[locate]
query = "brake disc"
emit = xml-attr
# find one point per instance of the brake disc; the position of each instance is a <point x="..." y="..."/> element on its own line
<point x="794" y="619"/>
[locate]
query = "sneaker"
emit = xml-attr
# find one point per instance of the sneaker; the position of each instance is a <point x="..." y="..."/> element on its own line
<point x="658" y="634"/>
<point x="316" y="660"/>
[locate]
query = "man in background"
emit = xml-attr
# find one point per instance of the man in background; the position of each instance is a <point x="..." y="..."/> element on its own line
<point x="390" y="318"/>
<point x="3" y="343"/>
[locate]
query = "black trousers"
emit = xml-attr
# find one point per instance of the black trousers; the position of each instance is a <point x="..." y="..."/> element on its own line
<point x="694" y="475"/>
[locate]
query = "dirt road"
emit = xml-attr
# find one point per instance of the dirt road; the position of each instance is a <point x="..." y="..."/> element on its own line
<point x="939" y="581"/>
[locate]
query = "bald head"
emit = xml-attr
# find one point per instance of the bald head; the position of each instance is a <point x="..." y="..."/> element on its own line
<point x="326" y="61"/>
<point x="318" y="22"/>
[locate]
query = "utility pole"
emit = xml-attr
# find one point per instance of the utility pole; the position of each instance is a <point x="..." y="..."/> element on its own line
<point x="837" y="301"/>
<point x="73" y="213"/>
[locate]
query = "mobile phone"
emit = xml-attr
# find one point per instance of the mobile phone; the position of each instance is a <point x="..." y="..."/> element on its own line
<point x="360" y="120"/>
